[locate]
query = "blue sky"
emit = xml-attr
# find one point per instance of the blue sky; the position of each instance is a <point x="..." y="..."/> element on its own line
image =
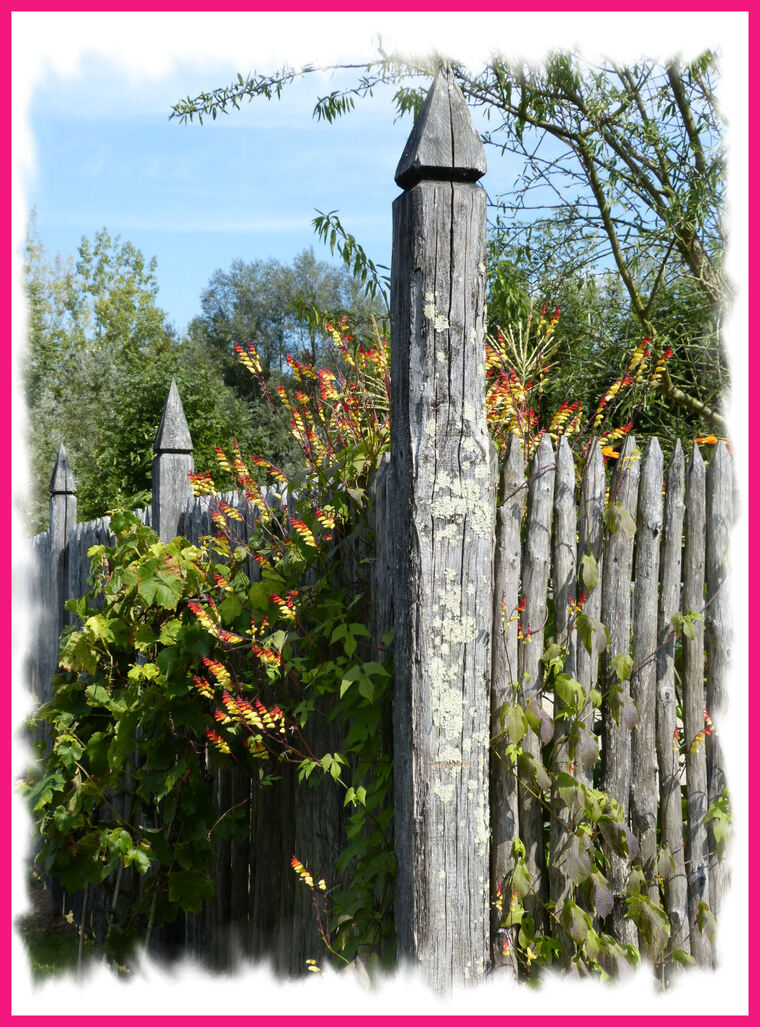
<point x="101" y="152"/>
<point x="197" y="197"/>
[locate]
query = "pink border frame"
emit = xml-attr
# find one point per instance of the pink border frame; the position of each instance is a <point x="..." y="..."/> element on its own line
<point x="753" y="549"/>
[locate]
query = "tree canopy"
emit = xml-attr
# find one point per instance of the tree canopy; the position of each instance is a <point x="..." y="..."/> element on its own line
<point x="100" y="359"/>
<point x="622" y="173"/>
<point x="269" y="303"/>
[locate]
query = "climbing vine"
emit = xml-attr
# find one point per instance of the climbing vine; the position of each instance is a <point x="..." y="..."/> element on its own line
<point x="186" y="656"/>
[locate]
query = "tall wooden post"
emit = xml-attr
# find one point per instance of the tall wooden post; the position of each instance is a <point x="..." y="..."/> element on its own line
<point x="442" y="524"/>
<point x="616" y="616"/>
<point x="718" y="641"/>
<point x="63" y="517"/>
<point x="171" y="465"/>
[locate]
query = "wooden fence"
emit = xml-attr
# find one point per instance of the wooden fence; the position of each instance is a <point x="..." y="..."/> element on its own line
<point x="471" y="559"/>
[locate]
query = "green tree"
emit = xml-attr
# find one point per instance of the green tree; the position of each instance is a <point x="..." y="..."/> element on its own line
<point x="622" y="170"/>
<point x="268" y="302"/>
<point x="101" y="356"/>
<point x="282" y="309"/>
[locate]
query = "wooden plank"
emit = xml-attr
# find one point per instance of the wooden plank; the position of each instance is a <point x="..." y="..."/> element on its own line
<point x="504" y="807"/>
<point x="220" y="948"/>
<point x="644" y="790"/>
<point x="668" y="759"/>
<point x="718" y="639"/>
<point x="564" y="554"/>
<point x="564" y="551"/>
<point x="381" y="574"/>
<point x="443" y="513"/>
<point x="590" y="538"/>
<point x="239" y="850"/>
<point x="171" y="465"/>
<point x="616" y="615"/>
<point x="692" y="599"/>
<point x="535" y="579"/>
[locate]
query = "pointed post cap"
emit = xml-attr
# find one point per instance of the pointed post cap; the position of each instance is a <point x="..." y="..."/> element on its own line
<point x="62" y="482"/>
<point x="173" y="435"/>
<point x="443" y="143"/>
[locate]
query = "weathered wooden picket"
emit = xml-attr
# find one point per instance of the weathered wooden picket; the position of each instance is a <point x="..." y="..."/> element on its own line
<point x="470" y="560"/>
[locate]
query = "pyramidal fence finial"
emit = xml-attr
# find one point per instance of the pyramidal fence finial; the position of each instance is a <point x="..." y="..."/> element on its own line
<point x="62" y="481"/>
<point x="171" y="465"/>
<point x="443" y="143"/>
<point x="173" y="435"/>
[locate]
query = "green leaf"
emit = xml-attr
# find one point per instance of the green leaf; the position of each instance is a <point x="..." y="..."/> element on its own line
<point x="527" y="931"/>
<point x="99" y="627"/>
<point x="97" y="752"/>
<point x="589" y="572"/>
<point x="190" y="889"/>
<point x="570" y="692"/>
<point x="551" y="653"/>
<point x="170" y="632"/>
<point x="619" y="836"/>
<point x="366" y="688"/>
<point x="278" y="639"/>
<point x="622" y="664"/>
<point x="521" y="882"/>
<point x="375" y="669"/>
<point x="683" y="958"/>
<point x="163" y="590"/>
<point x="230" y="609"/>
<point x="351" y="675"/>
<point x="68" y="750"/>
<point x="706" y="922"/>
<point x="533" y="771"/>
<point x="591" y="944"/>
<point x="635" y="883"/>
<point x="601" y="896"/>
<point x="593" y="634"/>
<point x="140" y="858"/>
<point x="123" y="742"/>
<point x="62" y="819"/>
<point x="577" y="922"/>
<point x="516" y="722"/>
<point x="41" y="793"/>
<point x="652" y="921"/>
<point x="616" y="516"/>
<point x="98" y="695"/>
<point x="570" y="791"/>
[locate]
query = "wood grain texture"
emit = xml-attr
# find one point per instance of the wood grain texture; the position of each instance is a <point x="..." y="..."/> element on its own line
<point x="171" y="465"/>
<point x="616" y="615"/>
<point x="442" y="529"/>
<point x="668" y="759"/>
<point x="644" y="790"/>
<point x="536" y="561"/>
<point x="694" y="704"/>
<point x="443" y="143"/>
<point x="504" y="807"/>
<point x="718" y="638"/>
<point x="590" y="538"/>
<point x="564" y="555"/>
